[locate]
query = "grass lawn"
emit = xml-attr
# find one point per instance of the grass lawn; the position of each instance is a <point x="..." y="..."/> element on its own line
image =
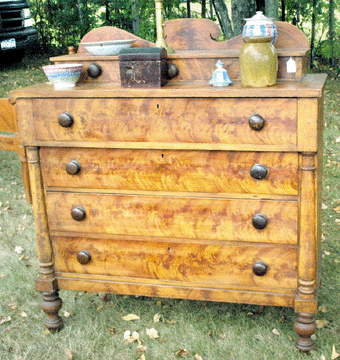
<point x="94" y="328"/>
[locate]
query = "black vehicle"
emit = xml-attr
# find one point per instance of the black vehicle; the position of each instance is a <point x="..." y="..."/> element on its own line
<point x="16" y="27"/>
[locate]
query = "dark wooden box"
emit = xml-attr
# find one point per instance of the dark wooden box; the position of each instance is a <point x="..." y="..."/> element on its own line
<point x="143" y="67"/>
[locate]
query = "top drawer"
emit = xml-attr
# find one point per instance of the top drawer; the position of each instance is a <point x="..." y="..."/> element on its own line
<point x="168" y="120"/>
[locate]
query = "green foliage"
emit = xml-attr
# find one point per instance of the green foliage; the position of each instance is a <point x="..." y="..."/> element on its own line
<point x="62" y="23"/>
<point x="302" y="11"/>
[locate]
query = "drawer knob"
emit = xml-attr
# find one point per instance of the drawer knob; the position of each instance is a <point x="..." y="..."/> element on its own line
<point x="65" y="120"/>
<point x="260" y="268"/>
<point x="256" y="122"/>
<point x="258" y="171"/>
<point x="78" y="213"/>
<point x="173" y="70"/>
<point x="94" y="70"/>
<point x="73" y="167"/>
<point x="84" y="257"/>
<point x="260" y="221"/>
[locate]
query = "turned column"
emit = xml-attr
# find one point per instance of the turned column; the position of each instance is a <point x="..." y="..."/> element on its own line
<point x="46" y="282"/>
<point x="306" y="302"/>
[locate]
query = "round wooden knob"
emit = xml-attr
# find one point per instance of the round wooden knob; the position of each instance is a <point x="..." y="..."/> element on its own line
<point x="260" y="268"/>
<point x="65" y="120"/>
<point x="73" y="167"/>
<point x="84" y="257"/>
<point x="256" y="122"/>
<point x="78" y="213"/>
<point x="260" y="221"/>
<point x="94" y="70"/>
<point x="258" y="172"/>
<point x="173" y="70"/>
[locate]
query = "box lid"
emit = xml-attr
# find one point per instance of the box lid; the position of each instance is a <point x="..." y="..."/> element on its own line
<point x="142" y="54"/>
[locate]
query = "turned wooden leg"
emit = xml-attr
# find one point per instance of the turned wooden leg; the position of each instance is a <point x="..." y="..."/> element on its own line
<point x="305" y="326"/>
<point x="51" y="304"/>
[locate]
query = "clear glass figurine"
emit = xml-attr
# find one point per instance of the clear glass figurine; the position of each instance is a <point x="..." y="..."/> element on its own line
<point x="220" y="76"/>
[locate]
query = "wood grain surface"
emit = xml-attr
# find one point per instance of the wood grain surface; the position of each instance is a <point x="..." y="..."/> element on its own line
<point x="201" y="34"/>
<point x="130" y="286"/>
<point x="197" y="264"/>
<point x="164" y="170"/>
<point x="168" y="120"/>
<point x="179" y="217"/>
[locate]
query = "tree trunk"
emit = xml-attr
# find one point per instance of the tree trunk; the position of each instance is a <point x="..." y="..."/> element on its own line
<point x="260" y="5"/>
<point x="272" y="9"/>
<point x="107" y="13"/>
<point x="240" y="10"/>
<point x="136" y="18"/>
<point x="331" y="29"/>
<point x="188" y="8"/>
<point x="204" y="9"/>
<point x="223" y="17"/>
<point x="283" y="10"/>
<point x="312" y="43"/>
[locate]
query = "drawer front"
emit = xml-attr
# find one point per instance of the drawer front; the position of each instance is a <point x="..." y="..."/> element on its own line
<point x="197" y="264"/>
<point x="196" y="120"/>
<point x="181" y="171"/>
<point x="174" y="217"/>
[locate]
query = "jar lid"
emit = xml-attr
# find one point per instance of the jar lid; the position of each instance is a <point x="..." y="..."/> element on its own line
<point x="259" y="16"/>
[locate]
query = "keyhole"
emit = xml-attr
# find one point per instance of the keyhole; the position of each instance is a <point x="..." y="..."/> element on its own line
<point x="157" y="106"/>
<point x="162" y="156"/>
<point x="169" y="249"/>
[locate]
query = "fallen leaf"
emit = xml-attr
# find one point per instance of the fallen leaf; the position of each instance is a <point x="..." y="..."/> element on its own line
<point x="276" y="332"/>
<point x="152" y="333"/>
<point x="337" y="139"/>
<point x="141" y="348"/>
<point x="335" y="355"/>
<point x="327" y="253"/>
<point x="68" y="354"/>
<point x="337" y="261"/>
<point x="18" y="249"/>
<point x="156" y="318"/>
<point x="182" y="353"/>
<point x="112" y="330"/>
<point x="129" y="338"/>
<point x="23" y="314"/>
<point x="142" y="357"/>
<point x="170" y="322"/>
<point x="323" y="308"/>
<point x="12" y="306"/>
<point x="46" y="331"/>
<point x="2" y="276"/>
<point x="198" y="357"/>
<point x="131" y="317"/>
<point x="324" y="206"/>
<point x="321" y="323"/>
<point x="337" y="209"/>
<point x="23" y="257"/>
<point x="5" y="319"/>
<point x="67" y="314"/>
<point x="100" y="307"/>
<point x="323" y="357"/>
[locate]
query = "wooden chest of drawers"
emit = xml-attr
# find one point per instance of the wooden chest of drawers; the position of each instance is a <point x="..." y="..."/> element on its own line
<point x="186" y="191"/>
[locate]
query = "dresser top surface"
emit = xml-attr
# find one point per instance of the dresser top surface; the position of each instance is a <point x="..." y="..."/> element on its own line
<point x="310" y="87"/>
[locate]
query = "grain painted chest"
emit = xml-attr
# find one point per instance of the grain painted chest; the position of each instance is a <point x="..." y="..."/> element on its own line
<point x="186" y="191"/>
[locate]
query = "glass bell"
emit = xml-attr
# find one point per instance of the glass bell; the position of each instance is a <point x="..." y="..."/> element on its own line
<point x="220" y="76"/>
